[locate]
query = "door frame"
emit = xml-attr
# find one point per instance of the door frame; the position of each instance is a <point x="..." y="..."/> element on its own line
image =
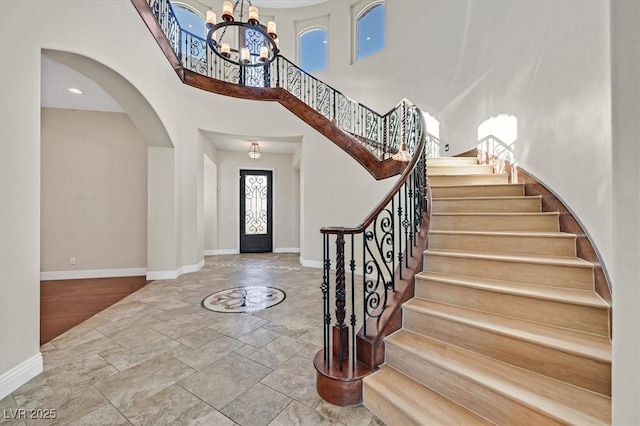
<point x="273" y="207"/>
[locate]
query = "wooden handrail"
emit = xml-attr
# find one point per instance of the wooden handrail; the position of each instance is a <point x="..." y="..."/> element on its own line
<point x="392" y="192"/>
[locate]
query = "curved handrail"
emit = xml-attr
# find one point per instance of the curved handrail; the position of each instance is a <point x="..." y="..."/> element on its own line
<point x="392" y="192"/>
<point x="379" y="133"/>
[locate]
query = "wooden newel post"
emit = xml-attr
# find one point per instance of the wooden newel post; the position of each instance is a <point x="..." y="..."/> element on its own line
<point x="340" y="329"/>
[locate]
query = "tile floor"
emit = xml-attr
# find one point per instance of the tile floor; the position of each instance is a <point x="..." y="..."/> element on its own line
<point x="157" y="357"/>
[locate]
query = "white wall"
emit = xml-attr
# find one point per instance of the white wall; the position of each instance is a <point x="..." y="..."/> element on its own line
<point x="625" y="64"/>
<point x="94" y="191"/>
<point x="545" y="62"/>
<point x="210" y="196"/>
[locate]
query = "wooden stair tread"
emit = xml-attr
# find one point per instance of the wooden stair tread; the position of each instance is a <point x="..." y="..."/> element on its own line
<point x="521" y="214"/>
<point x="418" y="402"/>
<point x="590" y="346"/>
<point x="495" y="198"/>
<point x="541" y="260"/>
<point x="481" y="185"/>
<point x="460" y="175"/>
<point x="555" y="294"/>
<point x="560" y="400"/>
<point x="540" y="234"/>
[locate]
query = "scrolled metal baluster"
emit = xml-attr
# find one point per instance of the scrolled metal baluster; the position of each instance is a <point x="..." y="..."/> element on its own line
<point x="400" y="253"/>
<point x="325" y="297"/>
<point x="352" y="267"/>
<point x="340" y="298"/>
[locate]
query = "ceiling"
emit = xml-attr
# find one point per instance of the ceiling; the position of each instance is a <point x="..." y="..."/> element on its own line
<point x="241" y="143"/>
<point x="58" y="78"/>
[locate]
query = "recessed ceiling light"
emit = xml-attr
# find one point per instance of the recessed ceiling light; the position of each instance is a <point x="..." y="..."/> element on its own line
<point x="75" y="91"/>
<point x="324" y="41"/>
<point x="368" y="38"/>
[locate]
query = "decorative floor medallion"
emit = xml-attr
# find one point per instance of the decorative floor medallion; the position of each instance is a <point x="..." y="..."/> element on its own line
<point x="243" y="299"/>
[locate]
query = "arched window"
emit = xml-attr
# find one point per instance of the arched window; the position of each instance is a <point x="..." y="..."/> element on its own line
<point x="313" y="49"/>
<point x="189" y="19"/>
<point x="370" y="31"/>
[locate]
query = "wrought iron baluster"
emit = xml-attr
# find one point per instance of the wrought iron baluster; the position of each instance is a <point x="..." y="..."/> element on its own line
<point x="341" y="327"/>
<point x="352" y="265"/>
<point x="325" y="297"/>
<point x="399" y="195"/>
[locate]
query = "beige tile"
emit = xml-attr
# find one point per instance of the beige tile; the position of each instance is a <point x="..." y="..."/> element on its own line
<point x="204" y="355"/>
<point x="76" y="336"/>
<point x="226" y="379"/>
<point x="376" y="422"/>
<point x="258" y="406"/>
<point x="48" y="389"/>
<point x="134" y="385"/>
<point x="299" y="414"/>
<point x="123" y="359"/>
<point x="278" y="351"/>
<point x="245" y="350"/>
<point x="203" y="415"/>
<point x="293" y="325"/>
<point x="236" y="325"/>
<point x="162" y="408"/>
<point x="259" y="337"/>
<point x="130" y="310"/>
<point x="72" y="406"/>
<point x="106" y="415"/>
<point x="352" y="416"/>
<point x="183" y="325"/>
<point x="297" y="379"/>
<point x="314" y="336"/>
<point x="11" y="416"/>
<point x="139" y="337"/>
<point x="57" y="358"/>
<point x="199" y="338"/>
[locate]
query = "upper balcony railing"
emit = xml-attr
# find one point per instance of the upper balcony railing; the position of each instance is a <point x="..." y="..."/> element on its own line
<point x="383" y="135"/>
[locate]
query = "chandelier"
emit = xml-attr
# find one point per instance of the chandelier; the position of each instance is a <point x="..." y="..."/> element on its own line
<point x="254" y="151"/>
<point x="249" y="43"/>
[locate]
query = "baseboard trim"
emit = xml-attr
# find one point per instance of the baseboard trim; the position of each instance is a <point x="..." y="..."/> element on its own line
<point x="287" y="250"/>
<point x="311" y="263"/>
<point x="172" y="275"/>
<point x="187" y="269"/>
<point x="221" y="251"/>
<point x="92" y="273"/>
<point x="20" y="374"/>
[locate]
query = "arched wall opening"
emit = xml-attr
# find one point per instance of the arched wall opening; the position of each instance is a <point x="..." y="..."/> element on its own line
<point x="108" y="204"/>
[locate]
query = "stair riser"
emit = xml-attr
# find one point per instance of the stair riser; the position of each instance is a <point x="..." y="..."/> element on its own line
<point x="515" y="190"/>
<point x="451" y="161"/>
<point x="507" y="244"/>
<point x="517" y="205"/>
<point x="460" y="169"/>
<point x="575" y="317"/>
<point x="531" y="273"/>
<point x="383" y="409"/>
<point x="492" y="405"/>
<point x="487" y="179"/>
<point x="550" y="362"/>
<point x="533" y="223"/>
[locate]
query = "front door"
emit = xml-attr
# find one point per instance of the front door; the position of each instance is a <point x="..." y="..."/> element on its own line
<point x="256" y="221"/>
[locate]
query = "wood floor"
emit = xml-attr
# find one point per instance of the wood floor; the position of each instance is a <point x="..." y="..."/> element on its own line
<point x="66" y="303"/>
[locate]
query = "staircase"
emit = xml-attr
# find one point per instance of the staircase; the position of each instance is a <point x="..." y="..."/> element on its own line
<point x="505" y="326"/>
